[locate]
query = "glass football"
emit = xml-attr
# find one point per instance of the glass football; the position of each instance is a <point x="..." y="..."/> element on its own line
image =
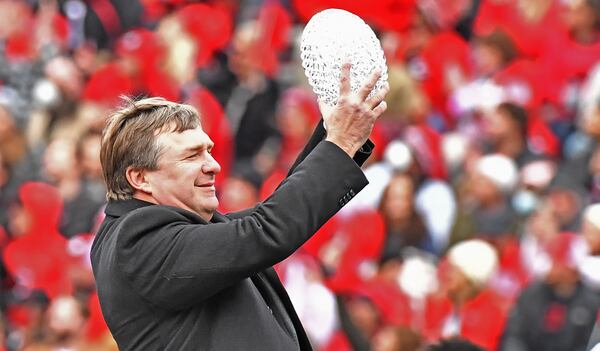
<point x="331" y="38"/>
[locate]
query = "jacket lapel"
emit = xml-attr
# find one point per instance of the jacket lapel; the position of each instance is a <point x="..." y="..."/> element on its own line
<point x="273" y="279"/>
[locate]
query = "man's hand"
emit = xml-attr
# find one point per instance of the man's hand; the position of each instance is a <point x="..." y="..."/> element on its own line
<point x="351" y="121"/>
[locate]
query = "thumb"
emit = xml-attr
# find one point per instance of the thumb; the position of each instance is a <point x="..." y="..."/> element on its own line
<point x="326" y="112"/>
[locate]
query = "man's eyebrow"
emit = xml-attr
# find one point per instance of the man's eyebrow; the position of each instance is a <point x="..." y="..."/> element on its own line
<point x="200" y="147"/>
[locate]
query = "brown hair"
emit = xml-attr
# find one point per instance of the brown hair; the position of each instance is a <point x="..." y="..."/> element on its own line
<point x="129" y="139"/>
<point x="501" y="42"/>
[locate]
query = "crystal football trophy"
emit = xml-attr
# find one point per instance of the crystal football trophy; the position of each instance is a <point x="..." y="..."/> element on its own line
<point x="331" y="38"/>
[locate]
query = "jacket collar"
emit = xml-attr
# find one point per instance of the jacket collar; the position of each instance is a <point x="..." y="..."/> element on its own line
<point x="117" y="208"/>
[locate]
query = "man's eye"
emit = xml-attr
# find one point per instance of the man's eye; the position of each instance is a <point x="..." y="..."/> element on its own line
<point x="191" y="156"/>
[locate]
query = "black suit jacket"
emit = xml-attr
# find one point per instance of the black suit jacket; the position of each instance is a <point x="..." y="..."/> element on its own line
<point x="168" y="280"/>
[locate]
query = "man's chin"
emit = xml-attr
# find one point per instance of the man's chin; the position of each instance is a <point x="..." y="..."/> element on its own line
<point x="208" y="208"/>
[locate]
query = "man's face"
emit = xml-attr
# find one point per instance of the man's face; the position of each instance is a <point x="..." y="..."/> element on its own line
<point x="186" y="172"/>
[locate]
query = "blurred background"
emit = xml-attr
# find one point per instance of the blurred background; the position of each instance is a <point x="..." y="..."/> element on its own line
<point x="482" y="183"/>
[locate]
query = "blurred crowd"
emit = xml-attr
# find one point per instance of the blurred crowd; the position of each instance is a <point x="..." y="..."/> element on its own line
<point x="480" y="226"/>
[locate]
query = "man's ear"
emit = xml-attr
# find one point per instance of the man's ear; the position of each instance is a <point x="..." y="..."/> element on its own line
<point x="138" y="180"/>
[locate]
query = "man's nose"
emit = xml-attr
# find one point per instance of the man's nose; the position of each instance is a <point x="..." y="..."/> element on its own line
<point x="211" y="165"/>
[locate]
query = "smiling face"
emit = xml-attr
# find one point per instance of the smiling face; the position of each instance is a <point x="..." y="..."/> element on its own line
<point x="186" y="172"/>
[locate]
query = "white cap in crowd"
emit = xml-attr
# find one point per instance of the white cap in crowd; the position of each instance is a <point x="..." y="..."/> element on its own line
<point x="500" y="170"/>
<point x="476" y="259"/>
<point x="418" y="277"/>
<point x="592" y="215"/>
<point x="454" y="149"/>
<point x="398" y="155"/>
<point x="538" y="174"/>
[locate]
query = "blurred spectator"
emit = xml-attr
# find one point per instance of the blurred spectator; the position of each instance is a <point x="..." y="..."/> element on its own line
<point x="491" y="53"/>
<point x="506" y="131"/>
<point x="455" y="150"/>
<point x="581" y="40"/>
<point x="418" y="281"/>
<point x="297" y="114"/>
<point x="568" y="199"/>
<point x="240" y="190"/>
<point x="433" y="197"/>
<point x="13" y="160"/>
<point x="359" y="320"/>
<point x="106" y="83"/>
<point x="397" y="158"/>
<point x="557" y="313"/>
<point x="27" y="322"/>
<point x="454" y="344"/>
<point x="82" y="201"/>
<point x="351" y="255"/>
<point x="542" y="228"/>
<point x="65" y="321"/>
<point x="397" y="339"/>
<point x="88" y="157"/>
<point x="251" y="97"/>
<point x="535" y="179"/>
<point x="486" y="210"/>
<point x="404" y="225"/>
<point x="37" y="256"/>
<point x="315" y="304"/>
<point x="103" y="21"/>
<point x="530" y="23"/>
<point x="429" y="34"/>
<point x="3" y="193"/>
<point x="97" y="334"/>
<point x="582" y="148"/>
<point x="471" y="311"/>
<point x="13" y="145"/>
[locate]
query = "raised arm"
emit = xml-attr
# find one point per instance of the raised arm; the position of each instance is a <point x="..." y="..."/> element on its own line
<point x="174" y="263"/>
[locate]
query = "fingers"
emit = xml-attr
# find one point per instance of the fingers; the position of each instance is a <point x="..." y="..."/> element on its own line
<point x="345" y="87"/>
<point x="366" y="89"/>
<point x="380" y="109"/>
<point x="376" y="99"/>
<point x="326" y="111"/>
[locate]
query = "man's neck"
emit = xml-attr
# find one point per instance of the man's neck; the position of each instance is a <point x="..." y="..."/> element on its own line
<point x="145" y="197"/>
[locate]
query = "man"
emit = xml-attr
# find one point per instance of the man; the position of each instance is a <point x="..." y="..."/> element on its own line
<point x="558" y="312"/>
<point x="173" y="274"/>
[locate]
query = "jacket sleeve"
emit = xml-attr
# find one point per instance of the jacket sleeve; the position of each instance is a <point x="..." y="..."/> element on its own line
<point x="515" y="329"/>
<point x="175" y="264"/>
<point x="317" y="136"/>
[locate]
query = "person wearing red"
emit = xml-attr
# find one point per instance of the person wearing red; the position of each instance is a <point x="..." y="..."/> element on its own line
<point x="469" y="310"/>
<point x="532" y="24"/>
<point x="37" y="256"/>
